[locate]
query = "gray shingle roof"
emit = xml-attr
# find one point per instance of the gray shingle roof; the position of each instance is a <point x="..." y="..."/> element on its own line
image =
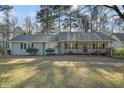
<point x="120" y="36"/>
<point x="89" y="36"/>
<point x="34" y="38"/>
<point x="65" y="36"/>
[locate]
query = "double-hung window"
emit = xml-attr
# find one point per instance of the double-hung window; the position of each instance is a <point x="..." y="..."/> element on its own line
<point x="23" y="45"/>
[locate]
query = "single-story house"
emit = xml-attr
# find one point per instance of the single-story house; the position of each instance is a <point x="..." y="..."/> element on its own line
<point x="119" y="40"/>
<point x="62" y="43"/>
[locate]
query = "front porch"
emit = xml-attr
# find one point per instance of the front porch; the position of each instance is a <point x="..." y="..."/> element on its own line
<point x="84" y="47"/>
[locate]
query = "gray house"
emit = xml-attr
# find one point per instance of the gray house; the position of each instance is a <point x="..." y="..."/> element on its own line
<point x="62" y="43"/>
<point x="119" y="37"/>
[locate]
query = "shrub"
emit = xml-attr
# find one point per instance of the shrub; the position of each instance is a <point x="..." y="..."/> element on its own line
<point x="50" y="51"/>
<point x="119" y="52"/>
<point x="9" y="52"/>
<point x="32" y="51"/>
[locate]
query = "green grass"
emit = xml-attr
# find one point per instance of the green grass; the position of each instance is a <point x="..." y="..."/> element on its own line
<point x="61" y="71"/>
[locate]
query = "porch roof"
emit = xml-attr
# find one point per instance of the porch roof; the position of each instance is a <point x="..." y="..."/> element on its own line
<point x="65" y="36"/>
<point x="83" y="36"/>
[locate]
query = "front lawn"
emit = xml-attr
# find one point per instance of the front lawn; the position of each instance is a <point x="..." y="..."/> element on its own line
<point x="61" y="71"/>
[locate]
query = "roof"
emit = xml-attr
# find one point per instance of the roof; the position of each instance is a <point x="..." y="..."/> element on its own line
<point x="65" y="36"/>
<point x="34" y="38"/>
<point x="85" y="36"/>
<point x="120" y="36"/>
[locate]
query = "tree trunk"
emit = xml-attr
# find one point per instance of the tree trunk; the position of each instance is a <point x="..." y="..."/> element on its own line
<point x="59" y="20"/>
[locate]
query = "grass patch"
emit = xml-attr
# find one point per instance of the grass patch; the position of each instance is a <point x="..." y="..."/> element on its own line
<point x="61" y="71"/>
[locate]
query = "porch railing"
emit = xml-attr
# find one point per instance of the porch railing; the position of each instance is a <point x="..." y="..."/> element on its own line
<point x="85" y="50"/>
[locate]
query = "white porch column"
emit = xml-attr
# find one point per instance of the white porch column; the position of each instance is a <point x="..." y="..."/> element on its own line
<point x="71" y="46"/>
<point x="98" y="46"/>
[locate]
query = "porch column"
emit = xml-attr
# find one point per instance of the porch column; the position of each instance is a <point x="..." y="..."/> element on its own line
<point x="76" y="46"/>
<point x="71" y="46"/>
<point x="98" y="46"/>
<point x="63" y="47"/>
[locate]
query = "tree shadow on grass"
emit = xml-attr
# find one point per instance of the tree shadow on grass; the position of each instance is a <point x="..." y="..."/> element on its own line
<point x="47" y="74"/>
<point x="39" y="77"/>
<point x="6" y="69"/>
<point x="104" y="73"/>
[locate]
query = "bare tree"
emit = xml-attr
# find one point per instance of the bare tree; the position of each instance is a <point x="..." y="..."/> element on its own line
<point x="6" y="19"/>
<point x="118" y="9"/>
<point x="28" y="25"/>
<point x="13" y="23"/>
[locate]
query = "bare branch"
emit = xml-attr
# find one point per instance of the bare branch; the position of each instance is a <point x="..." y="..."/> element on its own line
<point x="117" y="10"/>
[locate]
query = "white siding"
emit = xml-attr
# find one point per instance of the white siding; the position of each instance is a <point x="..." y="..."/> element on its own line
<point x="16" y="49"/>
<point x="40" y="47"/>
<point x="117" y="43"/>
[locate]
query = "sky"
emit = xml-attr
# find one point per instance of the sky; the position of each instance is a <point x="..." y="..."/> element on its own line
<point x="21" y="11"/>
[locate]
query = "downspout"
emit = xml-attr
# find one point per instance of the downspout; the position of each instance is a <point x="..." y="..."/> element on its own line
<point x="70" y="22"/>
<point x="43" y="48"/>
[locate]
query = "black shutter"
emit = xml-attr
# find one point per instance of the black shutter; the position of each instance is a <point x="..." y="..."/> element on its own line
<point x="21" y="45"/>
<point x="25" y="46"/>
<point x="32" y="45"/>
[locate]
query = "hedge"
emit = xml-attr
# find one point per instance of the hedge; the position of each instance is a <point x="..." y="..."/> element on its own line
<point x="119" y="52"/>
<point x="50" y="51"/>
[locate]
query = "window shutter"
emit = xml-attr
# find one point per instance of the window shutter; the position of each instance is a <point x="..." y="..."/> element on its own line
<point x="21" y="45"/>
<point x="25" y="46"/>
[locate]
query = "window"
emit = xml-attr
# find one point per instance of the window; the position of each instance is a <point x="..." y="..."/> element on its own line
<point x="103" y="46"/>
<point x="76" y="46"/>
<point x="84" y="45"/>
<point x="32" y="45"/>
<point x="21" y="45"/>
<point x="93" y="45"/>
<point x="80" y="45"/>
<point x="68" y="46"/>
<point x="73" y="45"/>
<point x="65" y="46"/>
<point x="25" y="46"/>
